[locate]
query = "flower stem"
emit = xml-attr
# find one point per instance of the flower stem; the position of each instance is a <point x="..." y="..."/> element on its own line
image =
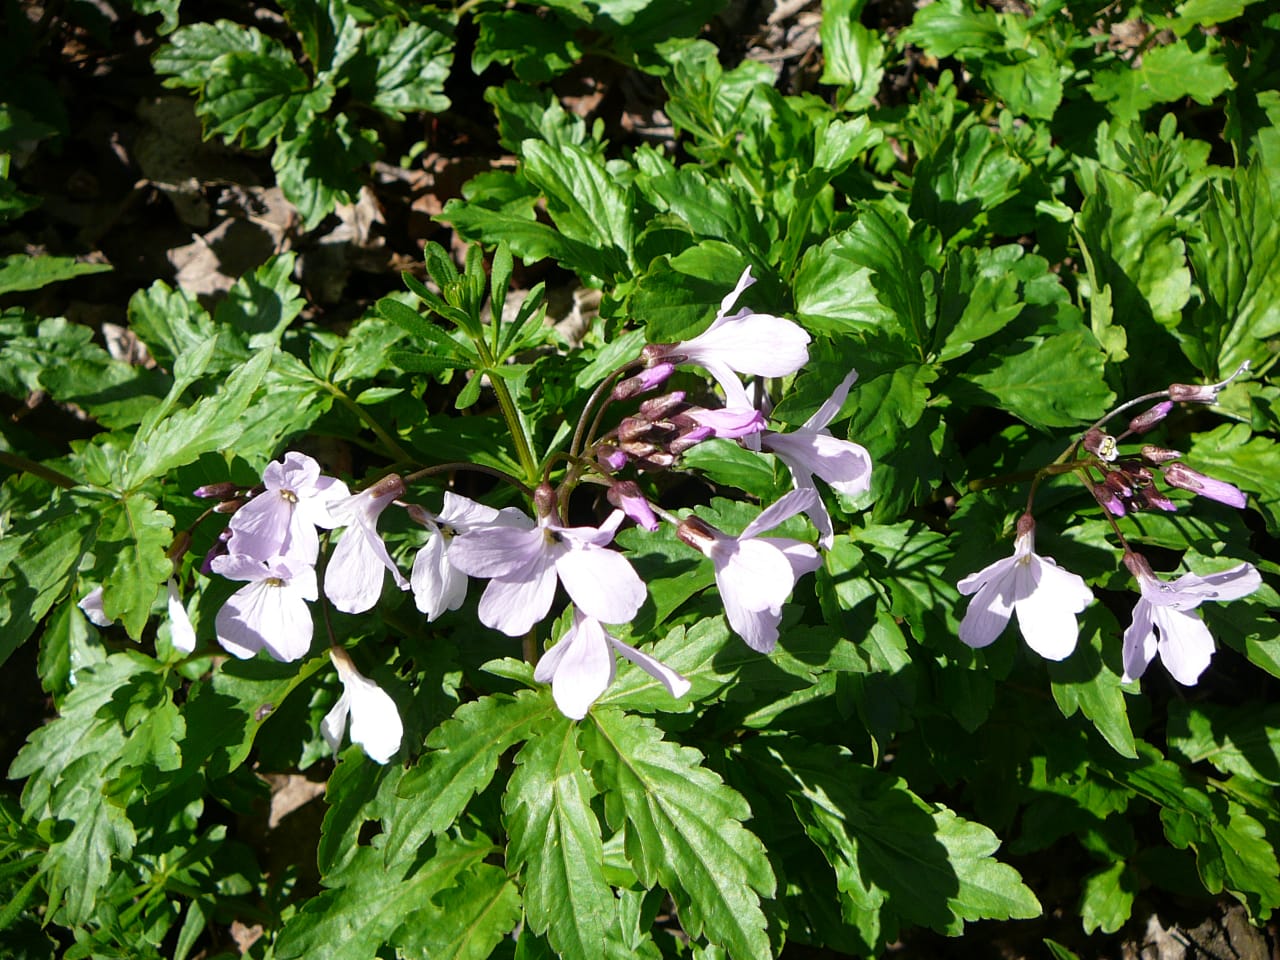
<point x="389" y="442"/>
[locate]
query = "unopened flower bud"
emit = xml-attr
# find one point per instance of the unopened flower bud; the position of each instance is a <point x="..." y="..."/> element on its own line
<point x="626" y="496"/>
<point x="637" y="448"/>
<point x="1158" y="455"/>
<point x="658" y="355"/>
<point x="544" y="500"/>
<point x="1100" y="444"/>
<point x="658" y="460"/>
<point x="1115" y="482"/>
<point x="216" y="491"/>
<point x="181" y="543"/>
<point x="690" y="438"/>
<point x="695" y="533"/>
<point x="418" y="515"/>
<point x="1151" y="497"/>
<point x="1145" y="421"/>
<point x="219" y="549"/>
<point x="390" y="485"/>
<point x="610" y="457"/>
<point x="643" y="382"/>
<point x="656" y="408"/>
<point x="1026" y="524"/>
<point x="1206" y="393"/>
<point x="1108" y="500"/>
<point x="633" y="428"/>
<point x="1182" y="476"/>
<point x="230" y="506"/>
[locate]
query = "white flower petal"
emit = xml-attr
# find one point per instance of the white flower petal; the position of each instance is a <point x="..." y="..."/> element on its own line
<point x="181" y="633"/>
<point x="1139" y="642"/>
<point x="601" y="582"/>
<point x="1048" y="601"/>
<point x="831" y="406"/>
<point x="786" y="507"/>
<point x="514" y="606"/>
<point x="334" y="724"/>
<point x="676" y="685"/>
<point x="91" y="605"/>
<point x="584" y="670"/>
<point x="498" y="551"/>
<point x="1185" y="644"/>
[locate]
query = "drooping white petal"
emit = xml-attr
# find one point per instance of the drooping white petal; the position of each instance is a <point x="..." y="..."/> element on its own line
<point x="181" y="633"/>
<point x="514" y="606"/>
<point x="437" y="585"/>
<point x="786" y="507"/>
<point x="91" y="605"/>
<point x="497" y="551"/>
<point x="831" y="406"/>
<point x="843" y="465"/>
<point x="1050" y="597"/>
<point x="375" y="721"/>
<point x="755" y="573"/>
<point x="463" y="514"/>
<point x="676" y="684"/>
<point x="1139" y="642"/>
<point x="989" y="612"/>
<point x="751" y="343"/>
<point x="584" y="670"/>
<point x="353" y="579"/>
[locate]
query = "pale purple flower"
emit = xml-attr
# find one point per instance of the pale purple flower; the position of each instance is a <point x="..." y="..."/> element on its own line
<point x="729" y="423"/>
<point x="181" y="633"/>
<point x="437" y="584"/>
<point x="626" y="496"/>
<point x="754" y="574"/>
<point x="353" y="579"/>
<point x="1045" y="597"/>
<point x="582" y="665"/>
<point x="524" y="559"/>
<point x="91" y="606"/>
<point x="746" y="342"/>
<point x="1182" y="476"/>
<point x="281" y="521"/>
<point x="1163" y="622"/>
<point x="271" y="611"/>
<point x="810" y="450"/>
<point x="375" y="721"/>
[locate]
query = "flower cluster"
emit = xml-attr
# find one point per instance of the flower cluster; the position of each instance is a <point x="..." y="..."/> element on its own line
<point x="273" y="539"/>
<point x="1046" y="598"/>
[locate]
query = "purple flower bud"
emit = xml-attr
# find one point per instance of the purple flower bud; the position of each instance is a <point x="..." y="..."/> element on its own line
<point x="230" y="506"/>
<point x="626" y="496"/>
<point x="637" y="448"/>
<point x="219" y="549"/>
<point x="633" y="428"/>
<point x="1145" y="421"/>
<point x="1151" y="497"/>
<point x="1158" y="455"/>
<point x="644" y="381"/>
<point x="656" y="408"/>
<point x="1180" y="475"/>
<point x="610" y="457"/>
<point x="181" y="544"/>
<point x="1109" y="500"/>
<point x="1138" y="565"/>
<point x="1206" y="393"/>
<point x="1115" y="482"/>
<point x="658" y="460"/>
<point x="544" y="500"/>
<point x="216" y="491"/>
<point x="690" y="438"/>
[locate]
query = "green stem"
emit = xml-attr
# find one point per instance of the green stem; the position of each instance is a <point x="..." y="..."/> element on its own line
<point x="392" y="445"/>
<point x="23" y="465"/>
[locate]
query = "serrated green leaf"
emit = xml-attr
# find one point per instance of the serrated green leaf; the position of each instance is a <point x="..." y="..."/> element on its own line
<point x="22" y="272"/>
<point x="211" y="423"/>
<point x="554" y="840"/>
<point x="1049" y="382"/>
<point x="413" y="62"/>
<point x="969" y="173"/>
<point x="136" y="534"/>
<point x="1165" y="74"/>
<point x="468" y="920"/>
<point x="728" y="463"/>
<point x="323" y="165"/>
<point x="260" y="305"/>
<point x="1085" y="682"/>
<point x="328" y="33"/>
<point x="260" y="98"/>
<point x="189" y="56"/>
<point x="853" y="55"/>
<point x="1230" y="452"/>
<point x="1241" y="740"/>
<point x="683" y="829"/>
<point x="371" y="903"/>
<point x="947" y="27"/>
<point x="897" y="858"/>
<point x="461" y="758"/>
<point x="536" y="48"/>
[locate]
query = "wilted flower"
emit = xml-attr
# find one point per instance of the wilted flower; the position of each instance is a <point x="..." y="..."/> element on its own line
<point x="1163" y="622"/>
<point x="282" y="520"/>
<point x="581" y="666"/>
<point x="375" y="721"/>
<point x="271" y="612"/>
<point x="353" y="579"/>
<point x="746" y="342"/>
<point x="845" y="466"/>
<point x="755" y="575"/>
<point x="523" y="560"/>
<point x="1045" y="597"/>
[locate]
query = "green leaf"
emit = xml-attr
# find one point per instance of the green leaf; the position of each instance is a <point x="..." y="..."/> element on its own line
<point x="1084" y="682"/>
<point x="1239" y="307"/>
<point x="1230" y="452"/>
<point x="968" y="174"/>
<point x="950" y="26"/>
<point x="21" y="272"/>
<point x="683" y="830"/>
<point x="371" y="903"/>
<point x="726" y="462"/>
<point x="1107" y="900"/>
<point x="898" y="859"/>
<point x="853" y="56"/>
<point x="260" y="98"/>
<point x="1049" y="382"/>
<point x="536" y="48"/>
<point x="413" y="62"/>
<point x="137" y="535"/>
<point x="328" y="33"/>
<point x="1238" y="740"/>
<point x="211" y="423"/>
<point x="587" y="203"/>
<point x="324" y="165"/>
<point x="468" y="920"/>
<point x="189" y="56"/>
<point x="555" y="843"/>
<point x="1167" y="74"/>
<point x="262" y="304"/>
<point x="461" y="758"/>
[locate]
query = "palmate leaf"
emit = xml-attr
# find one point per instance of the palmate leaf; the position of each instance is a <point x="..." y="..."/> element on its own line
<point x="555" y="843"/>
<point x="324" y="165"/>
<point x="136" y="534"/>
<point x="461" y="758"/>
<point x="467" y="921"/>
<point x="189" y="56"/>
<point x="260" y="98"/>
<point x="413" y="63"/>
<point x="898" y="859"/>
<point x="682" y="829"/>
